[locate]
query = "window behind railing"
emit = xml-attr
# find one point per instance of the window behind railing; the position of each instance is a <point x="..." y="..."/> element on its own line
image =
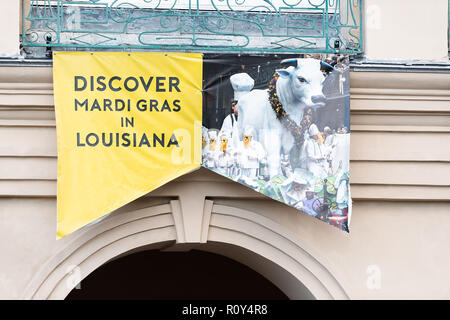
<point x="276" y="26"/>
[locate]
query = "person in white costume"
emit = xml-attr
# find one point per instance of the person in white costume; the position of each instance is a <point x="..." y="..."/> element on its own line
<point x="225" y="159"/>
<point x="342" y="194"/>
<point x="339" y="153"/>
<point x="212" y="151"/>
<point x="293" y="189"/>
<point x="250" y="155"/>
<point x="329" y="137"/>
<point x="204" y="144"/>
<point x="242" y="84"/>
<point x="230" y="122"/>
<point x="316" y="154"/>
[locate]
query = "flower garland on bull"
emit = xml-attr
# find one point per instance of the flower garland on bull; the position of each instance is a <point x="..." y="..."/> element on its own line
<point x="297" y="130"/>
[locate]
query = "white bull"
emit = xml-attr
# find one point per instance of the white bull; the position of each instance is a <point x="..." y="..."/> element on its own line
<point x="299" y="86"/>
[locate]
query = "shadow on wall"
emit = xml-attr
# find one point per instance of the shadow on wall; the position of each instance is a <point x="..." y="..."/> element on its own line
<point x="157" y="275"/>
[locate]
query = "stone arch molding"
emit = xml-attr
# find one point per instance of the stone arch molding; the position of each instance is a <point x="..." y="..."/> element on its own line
<point x="242" y="235"/>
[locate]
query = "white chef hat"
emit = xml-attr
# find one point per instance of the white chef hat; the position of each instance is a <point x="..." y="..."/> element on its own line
<point x="242" y="83"/>
<point x="299" y="179"/>
<point x="212" y="134"/>
<point x="224" y="134"/>
<point x="313" y="130"/>
<point x="249" y="131"/>
<point x="309" y="189"/>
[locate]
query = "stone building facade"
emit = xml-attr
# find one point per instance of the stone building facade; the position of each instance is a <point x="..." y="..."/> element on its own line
<point x="400" y="172"/>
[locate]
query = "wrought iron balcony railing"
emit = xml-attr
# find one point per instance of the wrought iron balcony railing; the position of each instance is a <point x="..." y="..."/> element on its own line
<point x="270" y="26"/>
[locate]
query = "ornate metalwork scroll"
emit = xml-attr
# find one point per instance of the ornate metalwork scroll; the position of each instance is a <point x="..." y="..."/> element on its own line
<point x="271" y="26"/>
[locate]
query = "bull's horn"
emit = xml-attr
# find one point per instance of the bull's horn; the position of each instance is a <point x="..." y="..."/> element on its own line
<point x="290" y="62"/>
<point x="326" y="67"/>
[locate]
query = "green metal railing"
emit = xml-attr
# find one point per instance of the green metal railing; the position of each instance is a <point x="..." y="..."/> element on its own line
<point x="272" y="26"/>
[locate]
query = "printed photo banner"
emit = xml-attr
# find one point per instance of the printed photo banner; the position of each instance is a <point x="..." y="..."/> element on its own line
<point x="283" y="129"/>
<point x="128" y="123"/>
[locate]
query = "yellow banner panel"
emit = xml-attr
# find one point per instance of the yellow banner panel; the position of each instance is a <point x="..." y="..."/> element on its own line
<point x="127" y="123"/>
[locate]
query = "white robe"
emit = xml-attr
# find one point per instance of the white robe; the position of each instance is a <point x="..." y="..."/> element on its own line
<point x="225" y="161"/>
<point x="342" y="195"/>
<point x="211" y="158"/>
<point x="340" y="153"/>
<point x="229" y="123"/>
<point x="316" y="158"/>
<point x="252" y="155"/>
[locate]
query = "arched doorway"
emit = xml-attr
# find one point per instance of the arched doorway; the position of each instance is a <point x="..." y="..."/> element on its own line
<point x="195" y="274"/>
<point x="241" y="235"/>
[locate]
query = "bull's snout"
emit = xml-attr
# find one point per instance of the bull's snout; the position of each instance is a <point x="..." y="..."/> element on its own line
<point x="318" y="99"/>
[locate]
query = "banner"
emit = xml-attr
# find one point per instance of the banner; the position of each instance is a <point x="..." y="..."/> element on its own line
<point x="281" y="127"/>
<point x="126" y="124"/>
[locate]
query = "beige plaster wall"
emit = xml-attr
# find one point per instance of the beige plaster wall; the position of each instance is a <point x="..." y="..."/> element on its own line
<point x="9" y="26"/>
<point x="406" y="30"/>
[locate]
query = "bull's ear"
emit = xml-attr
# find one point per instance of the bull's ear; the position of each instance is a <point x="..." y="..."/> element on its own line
<point x="284" y="73"/>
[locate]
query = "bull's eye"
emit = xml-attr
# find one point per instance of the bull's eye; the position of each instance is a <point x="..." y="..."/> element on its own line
<point x="302" y="80"/>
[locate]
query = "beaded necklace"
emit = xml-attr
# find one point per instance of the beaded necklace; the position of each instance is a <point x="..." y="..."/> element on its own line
<point x="297" y="130"/>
